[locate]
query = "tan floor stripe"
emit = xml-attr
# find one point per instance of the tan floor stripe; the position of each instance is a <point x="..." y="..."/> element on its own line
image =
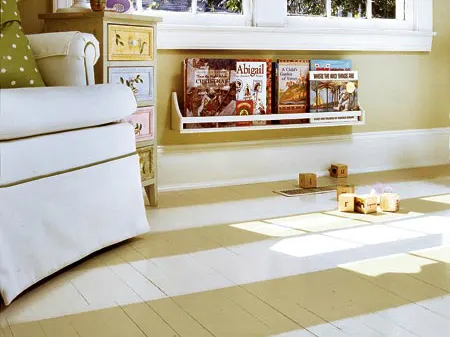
<point x="178" y="319"/>
<point x="146" y="318"/>
<point x="60" y="326"/>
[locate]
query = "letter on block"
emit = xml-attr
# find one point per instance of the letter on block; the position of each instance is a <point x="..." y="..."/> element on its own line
<point x="389" y="202"/>
<point x="340" y="189"/>
<point x="338" y="171"/>
<point x="307" y="180"/>
<point x="366" y="204"/>
<point x="347" y="202"/>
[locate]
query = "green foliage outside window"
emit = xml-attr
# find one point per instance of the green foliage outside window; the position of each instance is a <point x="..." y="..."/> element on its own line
<point x="307" y="7"/>
<point x="354" y="8"/>
<point x="233" y="6"/>
<point x="383" y="9"/>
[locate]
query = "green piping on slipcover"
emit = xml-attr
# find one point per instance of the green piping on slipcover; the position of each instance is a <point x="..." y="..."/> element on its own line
<point x="78" y="168"/>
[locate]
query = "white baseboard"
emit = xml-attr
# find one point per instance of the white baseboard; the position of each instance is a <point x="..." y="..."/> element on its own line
<point x="209" y="165"/>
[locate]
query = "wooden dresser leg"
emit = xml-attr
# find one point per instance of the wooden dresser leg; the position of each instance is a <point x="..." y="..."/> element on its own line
<point x="152" y="194"/>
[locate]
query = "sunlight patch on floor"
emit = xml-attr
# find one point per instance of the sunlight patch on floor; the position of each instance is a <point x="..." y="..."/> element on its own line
<point x="441" y="254"/>
<point x="311" y="245"/>
<point x="399" y="263"/>
<point x="375" y="234"/>
<point x="268" y="229"/>
<point x="315" y="222"/>
<point x="444" y="199"/>
<point x="428" y="225"/>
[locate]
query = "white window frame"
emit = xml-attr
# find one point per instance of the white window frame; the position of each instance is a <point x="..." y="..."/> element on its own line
<point x="264" y="28"/>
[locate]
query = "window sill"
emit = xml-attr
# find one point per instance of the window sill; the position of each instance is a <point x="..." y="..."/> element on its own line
<point x="171" y="36"/>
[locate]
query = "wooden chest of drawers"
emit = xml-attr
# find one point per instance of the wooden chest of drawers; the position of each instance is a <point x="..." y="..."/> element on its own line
<point x="128" y="56"/>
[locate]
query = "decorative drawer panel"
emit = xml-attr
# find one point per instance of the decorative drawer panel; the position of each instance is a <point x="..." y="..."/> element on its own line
<point x="146" y="162"/>
<point x="130" y="43"/>
<point x="143" y="123"/>
<point x="139" y="79"/>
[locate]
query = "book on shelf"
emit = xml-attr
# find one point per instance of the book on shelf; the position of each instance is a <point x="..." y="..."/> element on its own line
<point x="227" y="87"/>
<point x="330" y="65"/>
<point x="291" y="88"/>
<point x="333" y="91"/>
<point x="209" y="89"/>
<point x="253" y="89"/>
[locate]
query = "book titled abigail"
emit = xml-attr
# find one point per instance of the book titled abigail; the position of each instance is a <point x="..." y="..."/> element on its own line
<point x="253" y="89"/>
<point x="226" y="87"/>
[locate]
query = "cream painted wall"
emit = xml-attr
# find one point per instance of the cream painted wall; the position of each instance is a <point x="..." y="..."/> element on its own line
<point x="398" y="90"/>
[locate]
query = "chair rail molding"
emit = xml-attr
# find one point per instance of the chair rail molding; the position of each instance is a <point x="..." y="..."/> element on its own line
<point x="211" y="165"/>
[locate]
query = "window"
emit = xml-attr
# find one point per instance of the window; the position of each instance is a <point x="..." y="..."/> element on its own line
<point x="381" y="25"/>
<point x="374" y="14"/>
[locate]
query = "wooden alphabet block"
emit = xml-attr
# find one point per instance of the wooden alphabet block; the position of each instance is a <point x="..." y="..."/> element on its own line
<point x="338" y="170"/>
<point x="307" y="180"/>
<point x="347" y="202"/>
<point x="366" y="204"/>
<point x="340" y="189"/>
<point x="389" y="202"/>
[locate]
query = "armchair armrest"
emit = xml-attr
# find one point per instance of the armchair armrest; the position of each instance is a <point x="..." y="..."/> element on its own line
<point x="65" y="58"/>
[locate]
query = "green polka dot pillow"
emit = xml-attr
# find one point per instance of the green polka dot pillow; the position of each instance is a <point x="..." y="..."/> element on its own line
<point x="17" y="65"/>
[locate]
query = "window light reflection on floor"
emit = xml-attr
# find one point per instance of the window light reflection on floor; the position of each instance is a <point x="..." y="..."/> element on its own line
<point x="425" y="224"/>
<point x="443" y="199"/>
<point x="440" y="254"/>
<point x="268" y="229"/>
<point x="311" y="245"/>
<point x="339" y="240"/>
<point x="316" y="222"/>
<point x="399" y="263"/>
<point x="375" y="234"/>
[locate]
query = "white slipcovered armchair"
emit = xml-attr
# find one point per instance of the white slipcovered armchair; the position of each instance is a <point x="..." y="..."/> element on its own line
<point x="69" y="172"/>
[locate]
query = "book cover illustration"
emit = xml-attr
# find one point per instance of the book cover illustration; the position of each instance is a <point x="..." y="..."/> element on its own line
<point x="209" y="89"/>
<point x="331" y="65"/>
<point x="292" y="88"/>
<point x="333" y="91"/>
<point x="253" y="89"/>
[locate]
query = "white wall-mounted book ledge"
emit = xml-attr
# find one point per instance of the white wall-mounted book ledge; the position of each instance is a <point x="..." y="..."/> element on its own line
<point x="262" y="122"/>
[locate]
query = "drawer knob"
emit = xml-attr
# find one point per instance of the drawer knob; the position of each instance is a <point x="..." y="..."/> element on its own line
<point x="133" y="43"/>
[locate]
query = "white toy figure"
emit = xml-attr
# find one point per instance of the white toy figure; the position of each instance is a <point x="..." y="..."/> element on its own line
<point x="378" y="189"/>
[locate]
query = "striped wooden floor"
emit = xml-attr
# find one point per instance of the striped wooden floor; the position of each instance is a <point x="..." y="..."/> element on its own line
<point x="244" y="261"/>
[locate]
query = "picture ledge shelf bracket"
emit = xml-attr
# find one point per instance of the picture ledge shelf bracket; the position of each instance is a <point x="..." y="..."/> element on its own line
<point x="178" y="121"/>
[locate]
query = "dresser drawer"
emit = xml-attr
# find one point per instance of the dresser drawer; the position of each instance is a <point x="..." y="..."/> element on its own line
<point x="139" y="79"/>
<point x="146" y="162"/>
<point x="143" y="123"/>
<point x="130" y="43"/>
